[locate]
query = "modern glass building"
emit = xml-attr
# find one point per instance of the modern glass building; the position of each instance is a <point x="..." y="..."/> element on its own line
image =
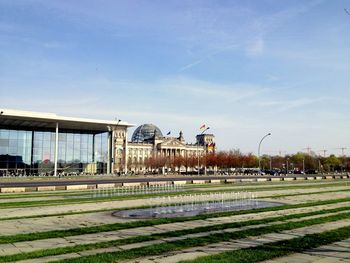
<point x="47" y="144"/>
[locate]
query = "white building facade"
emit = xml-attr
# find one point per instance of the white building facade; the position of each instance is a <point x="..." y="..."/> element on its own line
<point x="148" y="145"/>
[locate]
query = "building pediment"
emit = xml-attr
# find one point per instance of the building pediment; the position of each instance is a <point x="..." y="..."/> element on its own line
<point x="173" y="143"/>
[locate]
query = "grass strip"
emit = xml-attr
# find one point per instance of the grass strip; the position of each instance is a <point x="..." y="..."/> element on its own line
<point x="45" y="194"/>
<point x="118" y="198"/>
<point x="202" y="241"/>
<point x="276" y="249"/>
<point x="151" y="222"/>
<point x="177" y="233"/>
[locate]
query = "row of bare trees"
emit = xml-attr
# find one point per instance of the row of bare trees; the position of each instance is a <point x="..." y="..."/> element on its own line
<point x="302" y="161"/>
<point x="224" y="160"/>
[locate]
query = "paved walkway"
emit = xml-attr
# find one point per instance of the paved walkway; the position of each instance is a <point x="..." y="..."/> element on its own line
<point x="29" y="246"/>
<point x="306" y="198"/>
<point x="16" y="226"/>
<point x="30" y="199"/>
<point x="40" y="224"/>
<point x="54" y="209"/>
<point x="334" y="253"/>
<point x="57" y="195"/>
<point x="217" y="248"/>
<point x="194" y="252"/>
<point x="262" y="185"/>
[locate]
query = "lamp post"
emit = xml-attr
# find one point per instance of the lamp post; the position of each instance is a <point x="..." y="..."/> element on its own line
<point x="319" y="165"/>
<point x="198" y="145"/>
<point x="259" y="149"/>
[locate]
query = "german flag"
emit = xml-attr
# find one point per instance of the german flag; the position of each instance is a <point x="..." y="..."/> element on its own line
<point x="211" y="147"/>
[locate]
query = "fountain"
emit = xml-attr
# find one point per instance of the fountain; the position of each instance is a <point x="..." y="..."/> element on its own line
<point x="196" y="204"/>
<point x="131" y="190"/>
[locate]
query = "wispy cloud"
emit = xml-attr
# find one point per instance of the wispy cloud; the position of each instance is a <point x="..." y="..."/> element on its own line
<point x="188" y="66"/>
<point x="207" y="57"/>
<point x="31" y="41"/>
<point x="240" y="66"/>
<point x="284" y="105"/>
<point x="214" y="91"/>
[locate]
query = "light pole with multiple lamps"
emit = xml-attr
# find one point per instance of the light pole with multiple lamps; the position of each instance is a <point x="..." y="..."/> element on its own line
<point x="259" y="149"/>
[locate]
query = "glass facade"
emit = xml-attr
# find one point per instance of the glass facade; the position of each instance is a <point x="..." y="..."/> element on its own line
<point x="33" y="152"/>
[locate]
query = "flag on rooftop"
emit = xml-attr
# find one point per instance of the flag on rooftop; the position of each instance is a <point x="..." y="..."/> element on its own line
<point x="202" y="127"/>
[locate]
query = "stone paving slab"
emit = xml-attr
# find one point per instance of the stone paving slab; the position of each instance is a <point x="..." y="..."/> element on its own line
<point x="30" y="225"/>
<point x="30" y="199"/>
<point x="29" y="246"/>
<point x="140" y="244"/>
<point x="309" y="198"/>
<point x="51" y="259"/>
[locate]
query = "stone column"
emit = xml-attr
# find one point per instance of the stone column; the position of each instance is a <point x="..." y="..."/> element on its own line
<point x="126" y="152"/>
<point x="56" y="151"/>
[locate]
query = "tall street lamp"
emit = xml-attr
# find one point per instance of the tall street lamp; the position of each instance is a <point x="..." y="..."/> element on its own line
<point x="259" y="149"/>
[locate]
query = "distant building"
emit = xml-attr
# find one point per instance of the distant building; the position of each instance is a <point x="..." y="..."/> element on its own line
<point x="34" y="143"/>
<point x="148" y="142"/>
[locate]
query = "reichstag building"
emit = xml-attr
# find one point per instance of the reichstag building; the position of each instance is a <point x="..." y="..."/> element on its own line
<point x="34" y="143"/>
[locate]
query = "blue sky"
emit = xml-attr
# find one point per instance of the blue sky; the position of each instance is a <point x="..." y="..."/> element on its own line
<point x="244" y="68"/>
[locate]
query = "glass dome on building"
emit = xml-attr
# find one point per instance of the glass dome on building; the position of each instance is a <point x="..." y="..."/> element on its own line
<point x="145" y="132"/>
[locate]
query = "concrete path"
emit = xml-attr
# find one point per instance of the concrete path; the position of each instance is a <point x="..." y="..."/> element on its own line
<point x="334" y="253"/>
<point x="30" y="199"/>
<point x="211" y="249"/>
<point x="58" y="195"/>
<point x="306" y="198"/>
<point x="281" y="184"/>
<point x="217" y="248"/>
<point x="54" y="209"/>
<point x="40" y="224"/>
<point x="29" y="246"/>
<point x="47" y="223"/>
